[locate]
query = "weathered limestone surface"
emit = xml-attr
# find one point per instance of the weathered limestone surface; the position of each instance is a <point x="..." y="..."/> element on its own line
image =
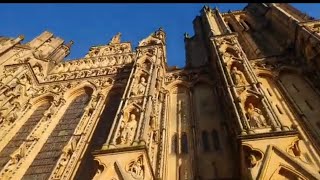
<point x="246" y="105"/>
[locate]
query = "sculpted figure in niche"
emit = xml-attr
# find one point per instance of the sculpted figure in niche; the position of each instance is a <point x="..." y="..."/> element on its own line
<point x="139" y="88"/>
<point x="127" y="59"/>
<point x="67" y="152"/>
<point x="256" y="119"/>
<point x="136" y="168"/>
<point x="237" y="77"/>
<point x="25" y="82"/>
<point x="37" y="70"/>
<point x="128" y="129"/>
<point x="252" y="160"/>
<point x="120" y="60"/>
<point x="227" y="57"/>
<point x="112" y="61"/>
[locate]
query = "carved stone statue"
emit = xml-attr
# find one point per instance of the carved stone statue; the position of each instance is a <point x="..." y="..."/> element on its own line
<point x="26" y="84"/>
<point x="18" y="154"/>
<point x="136" y="168"/>
<point x="91" y="107"/>
<point x="315" y="28"/>
<point x="252" y="160"/>
<point x="128" y="129"/>
<point x="113" y="61"/>
<point x="115" y="39"/>
<point x="62" y="163"/>
<point x="237" y="77"/>
<point x="37" y="69"/>
<point x="256" y="119"/>
<point x="67" y="152"/>
<point x="139" y="88"/>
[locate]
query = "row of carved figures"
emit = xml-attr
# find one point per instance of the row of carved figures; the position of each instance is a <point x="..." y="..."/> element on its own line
<point x="91" y="63"/>
<point x="82" y="74"/>
<point x="109" y="49"/>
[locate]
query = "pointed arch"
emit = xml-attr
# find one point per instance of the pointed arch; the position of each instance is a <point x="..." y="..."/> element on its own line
<point x="177" y="84"/>
<point x="61" y="135"/>
<point x="86" y="87"/>
<point x="39" y="107"/>
<point x="266" y="73"/>
<point x="48" y="96"/>
<point x="203" y="80"/>
<point x="145" y="58"/>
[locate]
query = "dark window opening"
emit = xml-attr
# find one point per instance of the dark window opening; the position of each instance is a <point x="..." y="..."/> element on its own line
<point x="184" y="143"/>
<point x="216" y="141"/>
<point x="309" y="105"/>
<point x="46" y="159"/>
<point x="269" y="92"/>
<point x="205" y="142"/>
<point x="18" y="139"/>
<point x="278" y="109"/>
<point x="231" y="27"/>
<point x="174" y="144"/>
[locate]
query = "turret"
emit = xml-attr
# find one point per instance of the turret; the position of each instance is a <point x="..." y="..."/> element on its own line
<point x="61" y="52"/>
<point x="49" y="47"/>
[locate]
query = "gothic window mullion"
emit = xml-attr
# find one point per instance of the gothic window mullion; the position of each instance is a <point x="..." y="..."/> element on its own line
<point x="50" y="152"/>
<point x="22" y="134"/>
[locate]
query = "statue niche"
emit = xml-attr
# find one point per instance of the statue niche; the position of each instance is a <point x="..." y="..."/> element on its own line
<point x="128" y="127"/>
<point x="236" y="72"/>
<point x="294" y="149"/>
<point x="140" y="87"/>
<point x="37" y="69"/>
<point x="136" y="168"/>
<point x="254" y="114"/>
<point x="251" y="156"/>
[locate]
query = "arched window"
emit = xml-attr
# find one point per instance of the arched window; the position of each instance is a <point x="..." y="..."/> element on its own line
<point x="230" y="27"/>
<point x="205" y="142"/>
<point x="107" y="116"/>
<point x="215" y="139"/>
<point x="184" y="143"/>
<point x="58" y="139"/>
<point x="23" y="133"/>
<point x="174" y="144"/>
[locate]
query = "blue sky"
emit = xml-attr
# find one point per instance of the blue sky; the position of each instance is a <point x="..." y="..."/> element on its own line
<point x="95" y="24"/>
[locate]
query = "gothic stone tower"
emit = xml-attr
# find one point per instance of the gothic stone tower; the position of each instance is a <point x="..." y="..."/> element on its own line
<point x="244" y="107"/>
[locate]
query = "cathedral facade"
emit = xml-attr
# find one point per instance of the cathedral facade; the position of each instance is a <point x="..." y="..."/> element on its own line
<point x="245" y="106"/>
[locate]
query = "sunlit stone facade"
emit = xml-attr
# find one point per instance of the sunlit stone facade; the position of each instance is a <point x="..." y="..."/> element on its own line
<point x="246" y="105"/>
